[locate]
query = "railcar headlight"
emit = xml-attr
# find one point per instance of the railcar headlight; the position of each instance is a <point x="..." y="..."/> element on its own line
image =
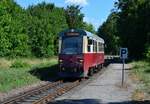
<point x="60" y="61"/>
<point x="81" y="60"/>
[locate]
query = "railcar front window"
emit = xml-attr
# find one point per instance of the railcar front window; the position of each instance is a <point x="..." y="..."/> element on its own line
<point x="71" y="45"/>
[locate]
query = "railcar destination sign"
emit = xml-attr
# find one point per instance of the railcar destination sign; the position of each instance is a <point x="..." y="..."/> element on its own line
<point x="72" y="34"/>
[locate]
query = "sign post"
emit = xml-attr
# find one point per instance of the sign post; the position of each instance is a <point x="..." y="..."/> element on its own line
<point x="123" y="56"/>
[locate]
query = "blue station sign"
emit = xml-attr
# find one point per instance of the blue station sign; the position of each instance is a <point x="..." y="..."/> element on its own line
<point x="123" y="53"/>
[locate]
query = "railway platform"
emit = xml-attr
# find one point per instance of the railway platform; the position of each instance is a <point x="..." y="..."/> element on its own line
<point x="105" y="89"/>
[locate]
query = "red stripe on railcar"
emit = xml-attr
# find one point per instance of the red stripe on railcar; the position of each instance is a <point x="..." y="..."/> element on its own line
<point x="92" y="59"/>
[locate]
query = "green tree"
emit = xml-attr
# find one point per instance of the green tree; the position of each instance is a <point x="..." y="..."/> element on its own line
<point x="108" y="31"/>
<point x="44" y="23"/>
<point x="34" y="31"/>
<point x="13" y="37"/>
<point x="89" y="27"/>
<point x="74" y="17"/>
<point x="133" y="25"/>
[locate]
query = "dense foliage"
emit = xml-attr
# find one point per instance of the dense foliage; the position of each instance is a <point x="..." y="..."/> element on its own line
<point x="108" y="31"/>
<point x="131" y="26"/>
<point x="13" y="37"/>
<point x="44" y="23"/>
<point x="34" y="31"/>
<point x="74" y="16"/>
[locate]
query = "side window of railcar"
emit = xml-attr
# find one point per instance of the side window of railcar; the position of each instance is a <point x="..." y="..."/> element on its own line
<point x="99" y="46"/>
<point x="95" y="46"/>
<point x="102" y="47"/>
<point x="90" y="42"/>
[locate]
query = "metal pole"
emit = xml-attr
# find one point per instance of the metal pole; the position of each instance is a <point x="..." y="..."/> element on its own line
<point x="123" y="60"/>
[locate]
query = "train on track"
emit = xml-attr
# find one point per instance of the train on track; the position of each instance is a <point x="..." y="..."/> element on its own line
<point x="80" y="53"/>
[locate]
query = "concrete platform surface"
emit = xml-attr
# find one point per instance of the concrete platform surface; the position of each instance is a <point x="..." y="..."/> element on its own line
<point x="106" y="89"/>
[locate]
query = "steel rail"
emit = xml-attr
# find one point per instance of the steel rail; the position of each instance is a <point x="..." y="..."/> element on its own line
<point x="44" y="94"/>
<point x="21" y="96"/>
<point x="57" y="92"/>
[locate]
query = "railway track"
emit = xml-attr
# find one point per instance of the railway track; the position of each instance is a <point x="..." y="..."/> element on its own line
<point x="42" y="95"/>
<point x="46" y="93"/>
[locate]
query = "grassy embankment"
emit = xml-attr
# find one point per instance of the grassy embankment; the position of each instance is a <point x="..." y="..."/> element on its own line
<point x="16" y="73"/>
<point x="141" y="73"/>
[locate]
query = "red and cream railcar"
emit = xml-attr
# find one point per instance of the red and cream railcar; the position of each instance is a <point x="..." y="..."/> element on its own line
<point x="80" y="53"/>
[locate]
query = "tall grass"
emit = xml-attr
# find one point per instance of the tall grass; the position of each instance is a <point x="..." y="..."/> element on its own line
<point x="19" y="64"/>
<point x="14" y="78"/>
<point x="4" y="63"/>
<point x="142" y="71"/>
<point x="16" y="73"/>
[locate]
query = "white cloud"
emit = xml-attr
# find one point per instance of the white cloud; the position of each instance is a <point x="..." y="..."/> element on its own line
<point x="95" y="22"/>
<point x="78" y="2"/>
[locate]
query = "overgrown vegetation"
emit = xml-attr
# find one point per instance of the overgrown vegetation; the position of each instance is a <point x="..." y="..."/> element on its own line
<point x="17" y="72"/>
<point x="13" y="37"/>
<point x="28" y="34"/>
<point x="128" y="24"/>
<point x="109" y="33"/>
<point x="148" y="53"/>
<point x="19" y="64"/>
<point x="33" y="32"/>
<point x="141" y="70"/>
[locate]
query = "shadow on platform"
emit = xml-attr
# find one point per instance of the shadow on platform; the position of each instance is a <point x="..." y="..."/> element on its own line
<point x="96" y="101"/>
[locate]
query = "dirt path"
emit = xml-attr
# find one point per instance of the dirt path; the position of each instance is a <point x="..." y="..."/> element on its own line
<point x="106" y="89"/>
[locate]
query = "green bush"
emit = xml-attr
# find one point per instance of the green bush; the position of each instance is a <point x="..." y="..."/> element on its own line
<point x="148" y="53"/>
<point x="13" y="35"/>
<point x="19" y="64"/>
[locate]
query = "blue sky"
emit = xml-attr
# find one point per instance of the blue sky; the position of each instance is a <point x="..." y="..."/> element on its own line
<point x="96" y="11"/>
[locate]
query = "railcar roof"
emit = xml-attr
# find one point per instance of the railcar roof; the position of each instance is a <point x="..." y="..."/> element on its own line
<point x="84" y="33"/>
